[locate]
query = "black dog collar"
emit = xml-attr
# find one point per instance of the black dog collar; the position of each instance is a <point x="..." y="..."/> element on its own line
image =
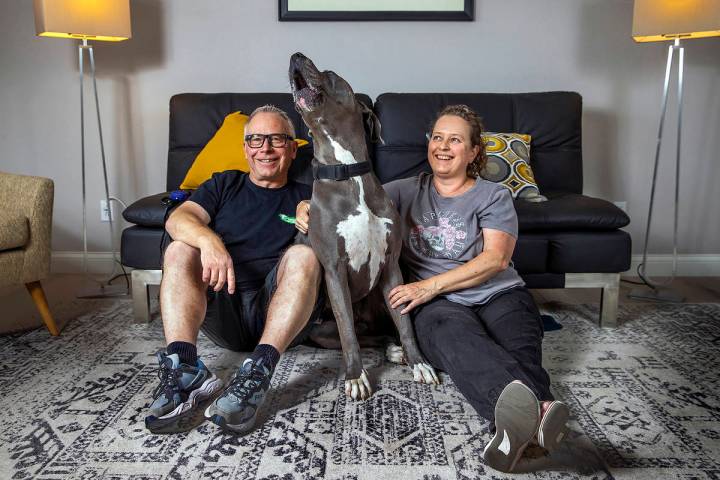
<point x="340" y="172"/>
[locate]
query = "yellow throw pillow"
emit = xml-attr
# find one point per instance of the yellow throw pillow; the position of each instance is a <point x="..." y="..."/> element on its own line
<point x="223" y="152"/>
<point x="508" y="163"/>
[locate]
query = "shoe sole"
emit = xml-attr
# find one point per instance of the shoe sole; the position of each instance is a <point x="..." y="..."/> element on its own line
<point x="182" y="418"/>
<point x="553" y="428"/>
<point x="517" y="416"/>
<point x="221" y="421"/>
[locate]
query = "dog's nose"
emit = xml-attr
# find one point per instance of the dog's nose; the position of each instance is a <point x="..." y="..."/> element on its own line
<point x="297" y="56"/>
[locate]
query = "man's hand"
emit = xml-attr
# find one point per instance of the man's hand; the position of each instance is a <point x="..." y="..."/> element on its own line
<point x="413" y="294"/>
<point x="302" y="216"/>
<point x="217" y="264"/>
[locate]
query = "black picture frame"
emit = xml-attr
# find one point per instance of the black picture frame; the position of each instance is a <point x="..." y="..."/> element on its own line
<point x="286" y="15"/>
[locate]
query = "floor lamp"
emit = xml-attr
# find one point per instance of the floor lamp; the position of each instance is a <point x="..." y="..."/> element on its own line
<point x="658" y="21"/>
<point x="103" y="20"/>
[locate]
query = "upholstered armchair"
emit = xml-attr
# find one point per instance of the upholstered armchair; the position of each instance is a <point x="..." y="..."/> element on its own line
<point x="26" y="205"/>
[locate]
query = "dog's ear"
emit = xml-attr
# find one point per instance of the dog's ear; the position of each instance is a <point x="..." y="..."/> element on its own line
<point x="373" y="124"/>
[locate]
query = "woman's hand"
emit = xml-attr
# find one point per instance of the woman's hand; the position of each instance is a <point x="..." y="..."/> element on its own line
<point x="413" y="294"/>
<point x="302" y="216"/>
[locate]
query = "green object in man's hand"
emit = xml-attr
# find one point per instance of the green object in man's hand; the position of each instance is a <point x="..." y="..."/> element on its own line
<point x="286" y="219"/>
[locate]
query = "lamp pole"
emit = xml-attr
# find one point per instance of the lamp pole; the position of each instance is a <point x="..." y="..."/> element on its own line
<point x="659" y="291"/>
<point x="105" y="289"/>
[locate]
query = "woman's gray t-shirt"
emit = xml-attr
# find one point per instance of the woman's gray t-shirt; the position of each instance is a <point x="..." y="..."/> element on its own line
<point x="441" y="233"/>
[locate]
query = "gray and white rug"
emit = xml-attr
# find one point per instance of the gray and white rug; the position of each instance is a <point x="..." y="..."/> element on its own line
<point x="644" y="399"/>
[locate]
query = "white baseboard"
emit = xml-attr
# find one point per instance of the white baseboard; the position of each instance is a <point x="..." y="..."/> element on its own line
<point x="72" y="262"/>
<point x="692" y="265"/>
<point x="698" y="265"/>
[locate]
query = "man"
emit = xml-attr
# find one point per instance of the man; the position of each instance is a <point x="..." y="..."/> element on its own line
<point x="232" y="272"/>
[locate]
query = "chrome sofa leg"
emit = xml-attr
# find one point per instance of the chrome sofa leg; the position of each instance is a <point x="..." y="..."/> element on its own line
<point x="609" y="297"/>
<point x="141" y="279"/>
<point x="610" y="293"/>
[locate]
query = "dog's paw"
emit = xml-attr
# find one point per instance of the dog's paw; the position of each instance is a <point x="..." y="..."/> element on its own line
<point x="395" y="354"/>
<point x="424" y="373"/>
<point x="358" y="388"/>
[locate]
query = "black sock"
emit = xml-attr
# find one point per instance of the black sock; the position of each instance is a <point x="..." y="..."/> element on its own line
<point x="268" y="354"/>
<point x="186" y="351"/>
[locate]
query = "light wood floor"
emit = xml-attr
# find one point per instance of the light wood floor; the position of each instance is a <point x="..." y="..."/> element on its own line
<point x="17" y="311"/>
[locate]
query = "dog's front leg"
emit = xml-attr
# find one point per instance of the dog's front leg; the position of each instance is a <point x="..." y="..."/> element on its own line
<point x="357" y="384"/>
<point x="423" y="372"/>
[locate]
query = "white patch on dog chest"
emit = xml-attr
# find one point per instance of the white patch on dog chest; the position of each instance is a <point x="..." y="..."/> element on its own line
<point x="365" y="233"/>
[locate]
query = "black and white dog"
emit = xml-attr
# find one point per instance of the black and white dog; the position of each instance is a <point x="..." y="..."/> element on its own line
<point x="354" y="228"/>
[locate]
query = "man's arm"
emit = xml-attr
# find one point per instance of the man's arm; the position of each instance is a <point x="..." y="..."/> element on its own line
<point x="497" y="251"/>
<point x="189" y="224"/>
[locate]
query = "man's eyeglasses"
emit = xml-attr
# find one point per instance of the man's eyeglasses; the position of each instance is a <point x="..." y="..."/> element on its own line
<point x="277" y="140"/>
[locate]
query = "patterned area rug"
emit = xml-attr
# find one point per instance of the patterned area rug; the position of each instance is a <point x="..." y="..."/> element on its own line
<point x="644" y="399"/>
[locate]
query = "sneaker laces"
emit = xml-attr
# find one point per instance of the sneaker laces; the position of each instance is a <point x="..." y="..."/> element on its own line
<point x="169" y="379"/>
<point x="245" y="382"/>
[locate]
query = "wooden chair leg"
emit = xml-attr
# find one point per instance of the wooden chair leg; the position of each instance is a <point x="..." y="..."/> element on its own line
<point x="38" y="296"/>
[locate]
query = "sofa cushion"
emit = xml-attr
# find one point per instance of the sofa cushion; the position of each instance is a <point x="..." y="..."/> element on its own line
<point x="195" y="117"/>
<point x="14" y="231"/>
<point x="569" y="211"/>
<point x="553" y="119"/>
<point x="584" y="251"/>
<point x="140" y="247"/>
<point x="508" y="163"/>
<point x="531" y="253"/>
<point x="148" y="211"/>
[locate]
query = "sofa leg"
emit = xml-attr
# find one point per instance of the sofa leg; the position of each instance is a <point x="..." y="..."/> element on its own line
<point x="609" y="296"/>
<point x="141" y="280"/>
<point x="38" y="295"/>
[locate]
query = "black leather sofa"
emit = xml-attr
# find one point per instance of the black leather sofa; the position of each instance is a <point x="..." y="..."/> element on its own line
<point x="570" y="241"/>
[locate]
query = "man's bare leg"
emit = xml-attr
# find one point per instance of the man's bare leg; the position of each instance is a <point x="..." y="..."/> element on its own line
<point x="298" y="282"/>
<point x="183" y="299"/>
<point x="183" y="304"/>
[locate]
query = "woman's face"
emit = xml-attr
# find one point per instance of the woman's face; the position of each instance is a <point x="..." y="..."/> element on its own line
<point x="450" y="149"/>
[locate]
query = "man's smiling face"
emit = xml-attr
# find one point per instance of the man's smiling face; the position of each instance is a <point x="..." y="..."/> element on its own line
<point x="269" y="165"/>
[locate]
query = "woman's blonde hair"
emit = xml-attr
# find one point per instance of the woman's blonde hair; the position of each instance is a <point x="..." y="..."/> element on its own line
<point x="476" y="131"/>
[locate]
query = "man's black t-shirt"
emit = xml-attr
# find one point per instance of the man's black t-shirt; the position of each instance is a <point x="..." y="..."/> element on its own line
<point x="247" y="219"/>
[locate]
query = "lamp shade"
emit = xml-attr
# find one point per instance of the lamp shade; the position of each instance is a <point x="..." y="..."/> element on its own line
<point x="658" y="20"/>
<point x="107" y="20"/>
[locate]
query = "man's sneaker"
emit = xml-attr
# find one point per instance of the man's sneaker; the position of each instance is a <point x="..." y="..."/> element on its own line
<point x="237" y="408"/>
<point x="181" y="390"/>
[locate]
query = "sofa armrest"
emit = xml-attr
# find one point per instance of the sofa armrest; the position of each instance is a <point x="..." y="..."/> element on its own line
<point x="33" y="198"/>
<point x="148" y="211"/>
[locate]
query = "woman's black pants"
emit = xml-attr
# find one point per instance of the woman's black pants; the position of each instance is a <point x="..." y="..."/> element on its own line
<point x="485" y="347"/>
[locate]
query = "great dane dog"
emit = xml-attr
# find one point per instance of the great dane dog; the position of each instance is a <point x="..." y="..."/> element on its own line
<point x="354" y="228"/>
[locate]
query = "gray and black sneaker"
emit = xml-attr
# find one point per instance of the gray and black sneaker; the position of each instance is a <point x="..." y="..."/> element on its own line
<point x="237" y="408"/>
<point x="179" y="395"/>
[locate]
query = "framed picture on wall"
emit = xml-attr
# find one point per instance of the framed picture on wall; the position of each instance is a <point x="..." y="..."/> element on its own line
<point x="375" y="10"/>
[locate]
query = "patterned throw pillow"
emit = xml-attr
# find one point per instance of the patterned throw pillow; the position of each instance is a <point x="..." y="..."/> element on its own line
<point x="508" y="163"/>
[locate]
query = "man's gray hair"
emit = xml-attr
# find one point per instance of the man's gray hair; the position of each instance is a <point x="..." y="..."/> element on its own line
<point x="275" y="110"/>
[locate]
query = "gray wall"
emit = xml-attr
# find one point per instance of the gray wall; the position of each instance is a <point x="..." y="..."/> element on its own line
<point x="239" y="46"/>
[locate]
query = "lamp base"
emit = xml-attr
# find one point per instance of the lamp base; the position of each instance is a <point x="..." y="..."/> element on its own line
<point x="103" y="291"/>
<point x="661" y="295"/>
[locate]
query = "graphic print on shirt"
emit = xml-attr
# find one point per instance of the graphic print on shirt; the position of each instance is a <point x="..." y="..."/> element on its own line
<point x="440" y="234"/>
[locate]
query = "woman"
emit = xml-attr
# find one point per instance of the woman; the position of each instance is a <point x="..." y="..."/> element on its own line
<point x="473" y="317"/>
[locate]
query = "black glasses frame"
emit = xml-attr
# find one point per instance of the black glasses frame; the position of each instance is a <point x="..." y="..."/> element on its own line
<point x="274" y="138"/>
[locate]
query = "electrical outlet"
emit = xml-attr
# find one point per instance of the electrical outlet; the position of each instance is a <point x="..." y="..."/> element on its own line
<point x="621" y="205"/>
<point x="105" y="211"/>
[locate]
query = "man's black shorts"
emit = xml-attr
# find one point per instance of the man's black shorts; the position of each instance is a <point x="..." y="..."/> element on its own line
<point x="236" y="321"/>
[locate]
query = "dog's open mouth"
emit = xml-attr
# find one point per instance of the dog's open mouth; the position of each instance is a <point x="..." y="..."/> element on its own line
<point x="306" y="95"/>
